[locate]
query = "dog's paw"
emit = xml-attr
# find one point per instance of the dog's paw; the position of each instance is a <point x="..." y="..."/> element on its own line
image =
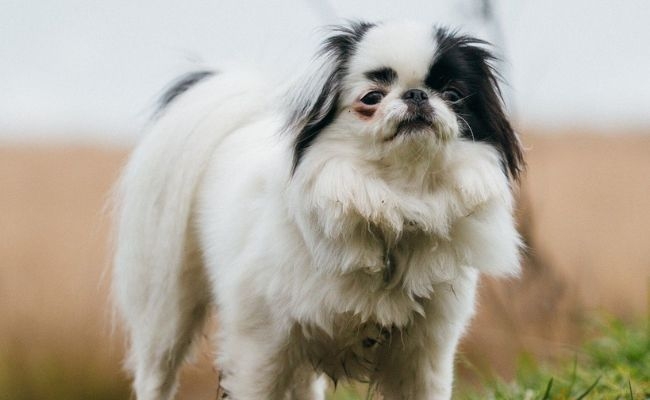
<point x="430" y="215"/>
<point x="476" y="185"/>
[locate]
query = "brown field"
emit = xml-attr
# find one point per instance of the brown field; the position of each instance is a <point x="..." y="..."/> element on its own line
<point x="585" y="212"/>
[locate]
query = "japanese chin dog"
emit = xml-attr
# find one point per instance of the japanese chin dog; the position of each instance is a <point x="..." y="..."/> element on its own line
<point x="336" y="225"/>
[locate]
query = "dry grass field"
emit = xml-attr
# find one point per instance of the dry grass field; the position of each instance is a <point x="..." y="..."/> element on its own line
<point x="585" y="212"/>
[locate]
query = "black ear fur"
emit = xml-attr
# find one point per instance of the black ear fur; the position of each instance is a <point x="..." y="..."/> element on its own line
<point x="465" y="61"/>
<point x="311" y="116"/>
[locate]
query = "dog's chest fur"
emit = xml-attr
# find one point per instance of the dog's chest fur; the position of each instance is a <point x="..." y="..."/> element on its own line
<point x="373" y="313"/>
<point x="353" y="350"/>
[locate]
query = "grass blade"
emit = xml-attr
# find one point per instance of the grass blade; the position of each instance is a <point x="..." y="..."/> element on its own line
<point x="547" y="393"/>
<point x="629" y="385"/>
<point x="589" y="389"/>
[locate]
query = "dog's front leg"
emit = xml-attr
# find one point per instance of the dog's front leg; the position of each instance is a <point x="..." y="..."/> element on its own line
<point x="264" y="363"/>
<point x="419" y="374"/>
<point x="253" y="365"/>
<point x="419" y="365"/>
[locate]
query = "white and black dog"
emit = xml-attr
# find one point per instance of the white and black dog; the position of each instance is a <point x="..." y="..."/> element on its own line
<point x="337" y="226"/>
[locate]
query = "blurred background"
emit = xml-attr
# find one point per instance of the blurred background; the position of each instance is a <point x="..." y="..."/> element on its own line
<point x="78" y="80"/>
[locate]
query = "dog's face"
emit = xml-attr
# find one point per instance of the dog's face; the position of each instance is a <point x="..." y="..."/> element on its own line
<point x="390" y="93"/>
<point x="403" y="88"/>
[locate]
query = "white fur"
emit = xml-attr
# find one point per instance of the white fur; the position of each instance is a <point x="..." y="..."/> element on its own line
<point x="209" y="214"/>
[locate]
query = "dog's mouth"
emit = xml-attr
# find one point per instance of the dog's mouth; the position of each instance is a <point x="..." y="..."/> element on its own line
<point x="415" y="123"/>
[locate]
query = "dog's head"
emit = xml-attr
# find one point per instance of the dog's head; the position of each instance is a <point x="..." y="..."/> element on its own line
<point x="401" y="88"/>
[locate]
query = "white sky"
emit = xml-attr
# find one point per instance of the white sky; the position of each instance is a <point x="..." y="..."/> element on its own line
<point x="91" y="69"/>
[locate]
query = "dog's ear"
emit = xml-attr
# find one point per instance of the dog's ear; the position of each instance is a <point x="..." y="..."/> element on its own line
<point x="314" y="101"/>
<point x="482" y="111"/>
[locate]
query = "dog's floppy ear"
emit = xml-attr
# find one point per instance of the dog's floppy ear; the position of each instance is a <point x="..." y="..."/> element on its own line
<point x="314" y="103"/>
<point x="468" y="60"/>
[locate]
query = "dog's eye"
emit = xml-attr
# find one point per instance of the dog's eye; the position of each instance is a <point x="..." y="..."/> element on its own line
<point x="451" y="95"/>
<point x="372" y="98"/>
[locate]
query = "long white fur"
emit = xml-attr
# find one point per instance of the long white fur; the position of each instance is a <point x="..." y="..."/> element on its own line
<point x="295" y="266"/>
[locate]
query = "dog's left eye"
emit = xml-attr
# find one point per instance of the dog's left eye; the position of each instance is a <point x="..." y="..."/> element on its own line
<point x="451" y="95"/>
<point x="372" y="98"/>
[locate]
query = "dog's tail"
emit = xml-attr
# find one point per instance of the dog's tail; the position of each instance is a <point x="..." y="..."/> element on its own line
<point x="159" y="282"/>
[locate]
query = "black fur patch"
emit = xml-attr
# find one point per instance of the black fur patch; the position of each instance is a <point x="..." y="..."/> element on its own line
<point x="464" y="64"/>
<point x="310" y="121"/>
<point x="182" y="85"/>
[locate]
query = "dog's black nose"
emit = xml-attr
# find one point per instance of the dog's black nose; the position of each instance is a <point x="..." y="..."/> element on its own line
<point x="415" y="95"/>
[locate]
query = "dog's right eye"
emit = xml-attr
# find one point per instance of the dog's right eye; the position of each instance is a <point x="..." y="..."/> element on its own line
<point x="372" y="98"/>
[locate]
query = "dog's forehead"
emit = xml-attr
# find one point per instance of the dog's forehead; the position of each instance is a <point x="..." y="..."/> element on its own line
<point x="406" y="47"/>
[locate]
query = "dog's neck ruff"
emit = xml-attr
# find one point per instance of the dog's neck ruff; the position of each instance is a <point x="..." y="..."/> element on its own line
<point x="377" y="238"/>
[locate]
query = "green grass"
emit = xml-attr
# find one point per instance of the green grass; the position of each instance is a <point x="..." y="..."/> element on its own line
<point x="349" y="392"/>
<point x="614" y="365"/>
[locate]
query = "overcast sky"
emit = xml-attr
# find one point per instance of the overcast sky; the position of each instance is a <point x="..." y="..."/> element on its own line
<point x="92" y="69"/>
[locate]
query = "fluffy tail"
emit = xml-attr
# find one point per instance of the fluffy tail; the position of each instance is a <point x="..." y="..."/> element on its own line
<point x="159" y="281"/>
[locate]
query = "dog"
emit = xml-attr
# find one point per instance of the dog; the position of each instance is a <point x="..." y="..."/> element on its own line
<point x="337" y="224"/>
